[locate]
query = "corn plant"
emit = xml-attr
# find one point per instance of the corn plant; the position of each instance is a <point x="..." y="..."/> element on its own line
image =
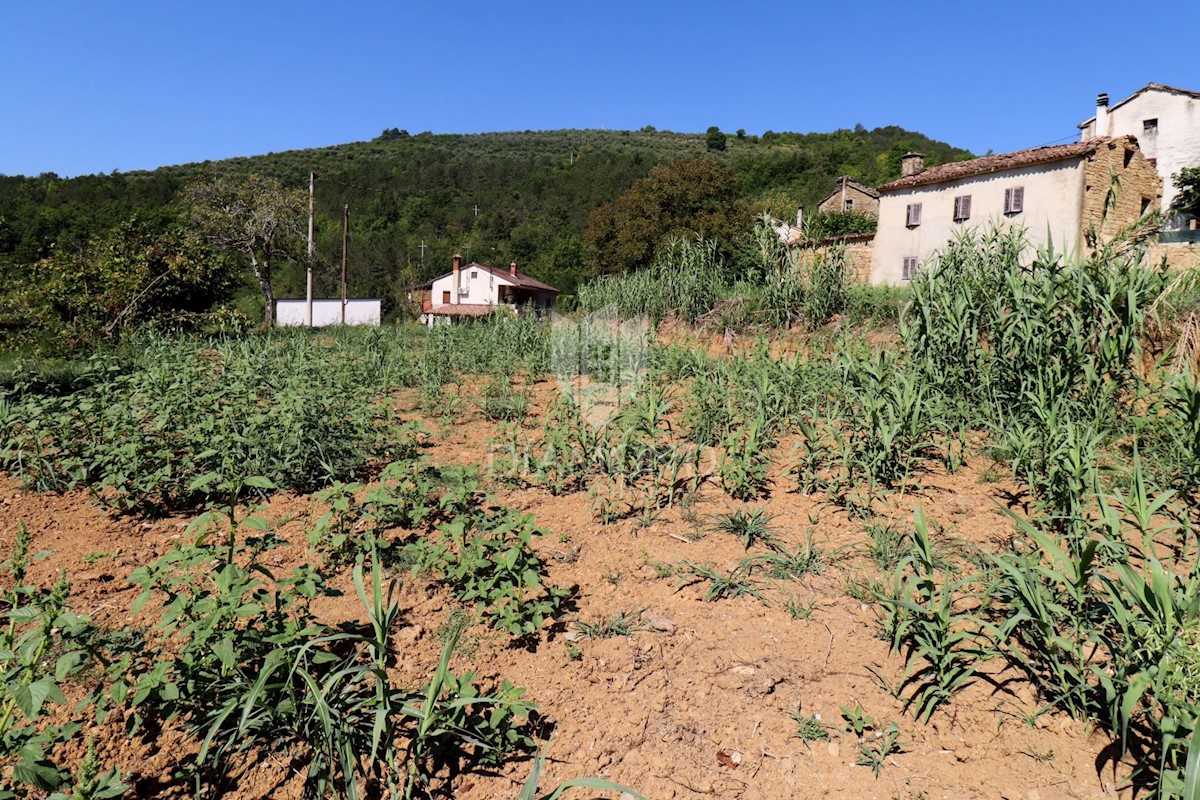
<point x="529" y="791"/>
<point x="745" y="463"/>
<point x="942" y="644"/>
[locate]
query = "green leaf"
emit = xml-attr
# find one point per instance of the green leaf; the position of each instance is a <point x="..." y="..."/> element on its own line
<point x="39" y="774"/>
<point x="255" y="523"/>
<point x="1191" y="780"/>
<point x="591" y="783"/>
<point x="30" y="698"/>
<point x="258" y="482"/>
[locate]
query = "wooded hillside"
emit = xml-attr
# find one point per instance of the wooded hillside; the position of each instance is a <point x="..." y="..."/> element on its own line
<point x="495" y="197"/>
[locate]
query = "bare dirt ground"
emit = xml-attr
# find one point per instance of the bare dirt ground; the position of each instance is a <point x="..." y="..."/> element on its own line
<point x="698" y="703"/>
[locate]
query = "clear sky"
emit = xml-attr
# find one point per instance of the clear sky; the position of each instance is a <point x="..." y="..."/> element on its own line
<point x="92" y="86"/>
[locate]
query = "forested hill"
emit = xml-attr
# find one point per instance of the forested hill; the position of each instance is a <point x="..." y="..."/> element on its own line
<point x="495" y="197"/>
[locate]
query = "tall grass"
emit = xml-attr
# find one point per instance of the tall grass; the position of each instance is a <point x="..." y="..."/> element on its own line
<point x="687" y="278"/>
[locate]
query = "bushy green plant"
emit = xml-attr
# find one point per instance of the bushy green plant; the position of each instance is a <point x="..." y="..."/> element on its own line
<point x="43" y="646"/>
<point x="488" y="560"/>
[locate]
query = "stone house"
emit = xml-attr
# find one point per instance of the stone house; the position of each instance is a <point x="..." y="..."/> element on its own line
<point x="850" y="195"/>
<point x="476" y="290"/>
<point x="1056" y="193"/>
<point x="1166" y="122"/>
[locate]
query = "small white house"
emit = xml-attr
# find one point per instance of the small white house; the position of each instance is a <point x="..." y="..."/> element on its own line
<point x="294" y="313"/>
<point x="476" y="290"/>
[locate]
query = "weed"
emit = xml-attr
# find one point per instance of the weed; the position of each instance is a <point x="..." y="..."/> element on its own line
<point x="750" y="527"/>
<point x="797" y="609"/>
<point x="92" y="558"/>
<point x="887" y="545"/>
<point x="874" y="752"/>
<point x="857" y="721"/>
<point x="735" y="583"/>
<point x="785" y="564"/>
<point x="43" y="646"/>
<point x="488" y="560"/>
<point x="622" y="623"/>
<point x="1040" y="756"/>
<point x="809" y="728"/>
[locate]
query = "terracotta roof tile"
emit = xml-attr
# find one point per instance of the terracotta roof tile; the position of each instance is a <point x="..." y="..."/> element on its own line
<point x="867" y="190"/>
<point x="520" y="279"/>
<point x="465" y="310"/>
<point x="999" y="163"/>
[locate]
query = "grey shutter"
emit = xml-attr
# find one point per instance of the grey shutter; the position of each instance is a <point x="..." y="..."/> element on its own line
<point x="1019" y="199"/>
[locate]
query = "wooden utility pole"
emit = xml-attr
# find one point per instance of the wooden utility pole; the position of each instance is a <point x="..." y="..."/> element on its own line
<point x="312" y="179"/>
<point x="345" y="243"/>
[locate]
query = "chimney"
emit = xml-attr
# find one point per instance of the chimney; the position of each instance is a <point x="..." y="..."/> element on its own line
<point x="454" y="288"/>
<point x="911" y="164"/>
<point x="1101" y="116"/>
<point x="512" y="269"/>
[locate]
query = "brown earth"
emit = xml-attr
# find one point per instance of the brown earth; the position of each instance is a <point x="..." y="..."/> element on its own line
<point x="698" y="704"/>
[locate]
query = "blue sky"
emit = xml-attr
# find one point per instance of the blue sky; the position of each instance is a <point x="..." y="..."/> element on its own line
<point x="95" y="86"/>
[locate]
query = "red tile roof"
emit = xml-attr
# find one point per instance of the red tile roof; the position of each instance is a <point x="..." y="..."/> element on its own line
<point x="520" y="279"/>
<point x="999" y="163"/>
<point x="465" y="310"/>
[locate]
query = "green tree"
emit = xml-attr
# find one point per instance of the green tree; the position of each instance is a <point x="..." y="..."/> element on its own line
<point x="1187" y="181"/>
<point x="822" y="225"/>
<point x="714" y="139"/>
<point x="122" y="280"/>
<point x="697" y="195"/>
<point x="255" y="217"/>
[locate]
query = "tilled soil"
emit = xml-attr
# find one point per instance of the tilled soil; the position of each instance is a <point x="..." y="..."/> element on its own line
<point x="697" y="703"/>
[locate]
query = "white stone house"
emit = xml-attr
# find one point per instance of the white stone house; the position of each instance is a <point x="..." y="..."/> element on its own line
<point x="476" y="290"/>
<point x="1166" y="122"/>
<point x="1055" y="193"/>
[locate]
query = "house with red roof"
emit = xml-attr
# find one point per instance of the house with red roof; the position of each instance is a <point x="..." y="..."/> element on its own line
<point x="476" y="290"/>
<point x="1057" y="194"/>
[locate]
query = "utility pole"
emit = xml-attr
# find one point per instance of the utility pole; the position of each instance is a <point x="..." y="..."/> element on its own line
<point x="312" y="179"/>
<point x="345" y="243"/>
<point x="477" y="209"/>
<point x="422" y="252"/>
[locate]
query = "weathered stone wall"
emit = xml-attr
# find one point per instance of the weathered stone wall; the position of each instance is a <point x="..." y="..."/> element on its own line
<point x="1178" y="256"/>
<point x="1118" y="166"/>
<point x="859" y="250"/>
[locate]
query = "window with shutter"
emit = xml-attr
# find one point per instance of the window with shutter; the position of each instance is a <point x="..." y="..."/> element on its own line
<point x="910" y="268"/>
<point x="962" y="208"/>
<point x="1014" y="200"/>
<point x="913" y="215"/>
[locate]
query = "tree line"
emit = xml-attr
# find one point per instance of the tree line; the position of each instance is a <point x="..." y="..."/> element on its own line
<point x="565" y="205"/>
